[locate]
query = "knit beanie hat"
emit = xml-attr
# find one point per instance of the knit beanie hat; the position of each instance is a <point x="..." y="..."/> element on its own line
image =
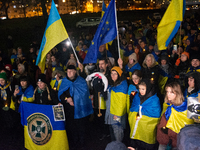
<point x="3" y="76"/>
<point x="116" y="145"/>
<point x="42" y="78"/>
<point x="186" y="53"/>
<point x="118" y="69"/>
<point x="133" y="56"/>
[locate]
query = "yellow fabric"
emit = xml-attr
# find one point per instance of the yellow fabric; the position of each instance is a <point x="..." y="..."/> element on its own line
<point x="12" y="105"/>
<point x="178" y="120"/>
<point x="25" y="99"/>
<point x="128" y="103"/>
<point x="161" y="83"/>
<point x="146" y="129"/>
<point x="173" y="14"/>
<point x="118" y="103"/>
<point x="164" y="108"/>
<point x="102" y="103"/>
<point x="55" y="34"/>
<point x="58" y="141"/>
<point x="52" y="83"/>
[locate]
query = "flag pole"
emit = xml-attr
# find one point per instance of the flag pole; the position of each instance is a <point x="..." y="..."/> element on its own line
<point x="73" y="50"/>
<point x="117" y="31"/>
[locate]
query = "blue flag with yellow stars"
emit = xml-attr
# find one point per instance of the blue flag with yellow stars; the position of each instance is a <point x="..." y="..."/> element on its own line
<point x="106" y="32"/>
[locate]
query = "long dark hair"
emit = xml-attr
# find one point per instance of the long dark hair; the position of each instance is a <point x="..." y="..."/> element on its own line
<point x="119" y="79"/>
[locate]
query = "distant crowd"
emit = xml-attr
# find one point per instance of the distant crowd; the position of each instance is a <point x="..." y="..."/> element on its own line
<point x="139" y="99"/>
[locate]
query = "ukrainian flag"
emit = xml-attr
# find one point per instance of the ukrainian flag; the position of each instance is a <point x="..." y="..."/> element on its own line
<point x="55" y="33"/>
<point x="41" y="130"/>
<point x="170" y="23"/>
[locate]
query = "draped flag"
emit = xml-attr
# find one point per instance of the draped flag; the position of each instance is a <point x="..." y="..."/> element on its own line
<point x="170" y="23"/>
<point x="43" y="130"/>
<point x="106" y="32"/>
<point x="55" y="33"/>
<point x="103" y="9"/>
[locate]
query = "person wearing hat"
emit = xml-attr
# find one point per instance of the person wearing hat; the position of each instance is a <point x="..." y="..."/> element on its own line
<point x="6" y="114"/>
<point x="165" y="71"/>
<point x="58" y="74"/>
<point x="156" y="53"/>
<point x="195" y="64"/>
<point x="23" y="93"/>
<point x="115" y="115"/>
<point x="5" y="88"/>
<point x="181" y="66"/>
<point x="74" y="95"/>
<point x="132" y="65"/>
<point x="43" y="94"/>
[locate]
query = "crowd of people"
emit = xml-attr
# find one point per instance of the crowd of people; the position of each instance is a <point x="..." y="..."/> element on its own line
<point x="146" y="99"/>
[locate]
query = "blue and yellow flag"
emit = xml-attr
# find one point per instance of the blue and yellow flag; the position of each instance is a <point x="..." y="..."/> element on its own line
<point x="106" y="32"/>
<point x="170" y="23"/>
<point x="103" y="9"/>
<point x="55" y="33"/>
<point x="43" y="130"/>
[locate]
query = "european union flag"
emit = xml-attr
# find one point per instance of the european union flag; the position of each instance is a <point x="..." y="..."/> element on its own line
<point x="103" y="9"/>
<point x="106" y="32"/>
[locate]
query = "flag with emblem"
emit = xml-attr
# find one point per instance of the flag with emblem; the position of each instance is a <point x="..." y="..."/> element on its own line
<point x="44" y="127"/>
<point x="55" y="33"/>
<point x="106" y="32"/>
<point x="170" y="23"/>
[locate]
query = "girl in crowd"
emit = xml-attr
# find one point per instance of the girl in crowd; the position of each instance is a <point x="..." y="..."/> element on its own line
<point x="174" y="118"/>
<point x="116" y="105"/>
<point x="43" y="93"/>
<point x="193" y="85"/>
<point x="133" y="87"/>
<point x="144" y="116"/>
<point x="24" y="92"/>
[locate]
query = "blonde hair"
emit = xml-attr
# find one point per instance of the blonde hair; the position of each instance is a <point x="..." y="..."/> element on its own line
<point x="176" y="89"/>
<point x="49" y="97"/>
<point x="153" y="61"/>
<point x="22" y="67"/>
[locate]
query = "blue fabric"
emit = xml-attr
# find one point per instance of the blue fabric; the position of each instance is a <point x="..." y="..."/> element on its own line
<point x="132" y="88"/>
<point x="136" y="66"/>
<point x="163" y="73"/>
<point x="99" y="56"/>
<point x="192" y="69"/>
<point x="80" y="94"/>
<point x="150" y="107"/>
<point x="192" y="95"/>
<point x="54" y="16"/>
<point x="28" y="93"/>
<point x="155" y="56"/>
<point x="128" y="53"/>
<point x="180" y="108"/>
<point x="178" y="23"/>
<point x="123" y="87"/>
<point x="105" y="33"/>
<point x="27" y="109"/>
